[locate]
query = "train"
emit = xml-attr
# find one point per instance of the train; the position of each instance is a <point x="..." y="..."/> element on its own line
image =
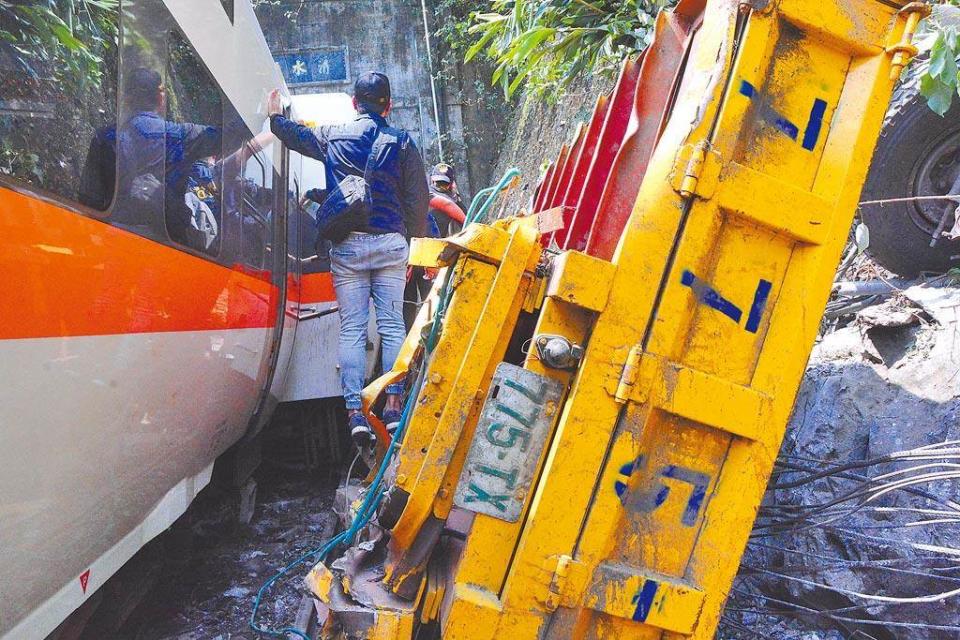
<point x="162" y="291"/>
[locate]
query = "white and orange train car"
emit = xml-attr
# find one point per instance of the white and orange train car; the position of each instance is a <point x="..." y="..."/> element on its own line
<point x="131" y="354"/>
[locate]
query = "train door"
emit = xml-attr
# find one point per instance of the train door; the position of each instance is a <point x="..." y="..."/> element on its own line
<point x="313" y="371"/>
<point x="263" y="232"/>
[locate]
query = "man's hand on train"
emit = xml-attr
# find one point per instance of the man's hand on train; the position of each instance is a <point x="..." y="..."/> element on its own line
<point x="274" y="103"/>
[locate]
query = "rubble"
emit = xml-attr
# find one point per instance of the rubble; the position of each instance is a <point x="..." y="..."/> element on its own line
<point x="216" y="563"/>
<point x="859" y="536"/>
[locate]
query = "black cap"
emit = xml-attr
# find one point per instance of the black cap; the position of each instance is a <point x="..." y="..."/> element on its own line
<point x="372" y="89"/>
<point x="442" y="173"/>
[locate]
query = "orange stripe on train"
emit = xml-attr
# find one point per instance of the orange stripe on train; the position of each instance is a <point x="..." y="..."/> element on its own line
<point x="64" y="274"/>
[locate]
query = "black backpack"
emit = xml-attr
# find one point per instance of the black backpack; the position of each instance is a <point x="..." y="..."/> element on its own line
<point x="348" y="204"/>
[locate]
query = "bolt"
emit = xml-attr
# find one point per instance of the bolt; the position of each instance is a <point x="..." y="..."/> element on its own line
<point x="401" y="480"/>
<point x="436" y="378"/>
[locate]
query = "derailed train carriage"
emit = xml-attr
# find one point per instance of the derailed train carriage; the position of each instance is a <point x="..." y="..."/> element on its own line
<point x="139" y="339"/>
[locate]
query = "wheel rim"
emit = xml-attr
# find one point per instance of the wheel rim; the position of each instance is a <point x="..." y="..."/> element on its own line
<point x="934" y="175"/>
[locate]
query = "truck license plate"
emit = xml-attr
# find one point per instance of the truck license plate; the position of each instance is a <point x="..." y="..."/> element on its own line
<point x="511" y="432"/>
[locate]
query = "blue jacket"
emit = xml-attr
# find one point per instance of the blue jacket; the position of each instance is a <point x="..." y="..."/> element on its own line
<point x="398" y="180"/>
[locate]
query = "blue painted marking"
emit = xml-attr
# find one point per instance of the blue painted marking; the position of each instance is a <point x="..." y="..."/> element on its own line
<point x="759" y="304"/>
<point x="644" y="600"/>
<point x="620" y="486"/>
<point x="699" y="481"/>
<point x="694" y="504"/>
<point x="812" y="135"/>
<point x="711" y="297"/>
<point x="662" y="496"/>
<point x="787" y="127"/>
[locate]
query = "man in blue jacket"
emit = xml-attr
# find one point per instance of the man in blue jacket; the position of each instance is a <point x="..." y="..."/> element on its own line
<point x="372" y="261"/>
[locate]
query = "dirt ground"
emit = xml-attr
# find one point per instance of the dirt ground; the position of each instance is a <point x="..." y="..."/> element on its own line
<point x="214" y="566"/>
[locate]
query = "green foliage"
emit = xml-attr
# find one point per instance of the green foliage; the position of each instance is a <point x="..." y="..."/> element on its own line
<point x="545" y="44"/>
<point x="63" y="40"/>
<point x="939" y="44"/>
<point x="58" y="58"/>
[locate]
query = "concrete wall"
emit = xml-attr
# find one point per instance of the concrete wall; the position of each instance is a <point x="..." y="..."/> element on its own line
<point x="380" y="35"/>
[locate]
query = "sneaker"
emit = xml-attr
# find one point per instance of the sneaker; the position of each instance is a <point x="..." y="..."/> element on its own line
<point x="391" y="418"/>
<point x="360" y="430"/>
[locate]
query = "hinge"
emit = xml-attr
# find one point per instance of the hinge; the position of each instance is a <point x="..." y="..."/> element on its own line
<point x="905" y="51"/>
<point x="629" y="375"/>
<point x="697" y="170"/>
<point x="568" y="582"/>
<point x="694" y="170"/>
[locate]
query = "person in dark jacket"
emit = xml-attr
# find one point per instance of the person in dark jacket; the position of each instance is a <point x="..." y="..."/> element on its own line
<point x="446" y="218"/>
<point x="443" y="186"/>
<point x="372" y="261"/>
<point x="155" y="157"/>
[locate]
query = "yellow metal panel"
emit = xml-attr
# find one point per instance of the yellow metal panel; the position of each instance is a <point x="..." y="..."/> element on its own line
<point x="392" y="625"/>
<point x="581" y="280"/>
<point x="730" y="306"/>
<point x="486" y="558"/>
<point x="467" y="380"/>
<point x="430" y="252"/>
<point x="482" y="241"/>
<point x="480" y="345"/>
<point x="754" y="196"/>
<point x="662" y="602"/>
<point x="472" y="282"/>
<point x="703" y="398"/>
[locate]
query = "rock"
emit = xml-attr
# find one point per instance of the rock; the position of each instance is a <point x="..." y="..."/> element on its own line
<point x="889" y="383"/>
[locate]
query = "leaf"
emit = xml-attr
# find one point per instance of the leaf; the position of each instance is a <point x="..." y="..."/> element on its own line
<point x="66" y="38"/>
<point x="479" y="45"/>
<point x="939" y="95"/>
<point x="543" y="43"/>
<point x="938" y="56"/>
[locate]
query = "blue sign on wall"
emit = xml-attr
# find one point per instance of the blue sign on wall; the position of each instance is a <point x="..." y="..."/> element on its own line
<point x="314" y="66"/>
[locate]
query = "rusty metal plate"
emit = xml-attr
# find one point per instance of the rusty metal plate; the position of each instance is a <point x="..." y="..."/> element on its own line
<point x="510" y="436"/>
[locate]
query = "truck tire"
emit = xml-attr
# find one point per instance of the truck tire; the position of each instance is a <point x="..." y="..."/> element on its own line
<point x="918" y="154"/>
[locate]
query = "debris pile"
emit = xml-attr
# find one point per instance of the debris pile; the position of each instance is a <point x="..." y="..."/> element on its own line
<point x="859" y="536"/>
<point x="215" y="565"/>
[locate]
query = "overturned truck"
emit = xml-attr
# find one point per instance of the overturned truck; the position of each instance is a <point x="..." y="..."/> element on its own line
<point x="598" y="387"/>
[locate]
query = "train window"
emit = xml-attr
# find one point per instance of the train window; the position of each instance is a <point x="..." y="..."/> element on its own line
<point x="258" y="203"/>
<point x="58" y="91"/>
<point x="194" y="166"/>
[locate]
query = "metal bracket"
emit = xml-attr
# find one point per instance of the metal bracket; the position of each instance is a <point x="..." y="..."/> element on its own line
<point x="905" y="51"/>
<point x="557" y="352"/>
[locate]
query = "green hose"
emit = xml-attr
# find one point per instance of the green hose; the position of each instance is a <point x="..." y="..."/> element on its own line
<point x="477" y="210"/>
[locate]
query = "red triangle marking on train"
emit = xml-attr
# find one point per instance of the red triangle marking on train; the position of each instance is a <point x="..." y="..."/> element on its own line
<point x="84" y="580"/>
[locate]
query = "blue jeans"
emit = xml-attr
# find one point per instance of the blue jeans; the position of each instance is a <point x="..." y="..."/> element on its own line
<point x="368" y="266"/>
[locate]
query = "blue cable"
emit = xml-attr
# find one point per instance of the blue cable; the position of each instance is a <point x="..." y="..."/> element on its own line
<point x="372" y="499"/>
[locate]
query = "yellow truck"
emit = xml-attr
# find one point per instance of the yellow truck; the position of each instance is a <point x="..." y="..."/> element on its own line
<point x="599" y="385"/>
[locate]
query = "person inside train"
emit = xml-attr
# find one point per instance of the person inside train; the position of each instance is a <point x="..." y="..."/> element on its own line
<point x="156" y="158"/>
<point x="371" y="262"/>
